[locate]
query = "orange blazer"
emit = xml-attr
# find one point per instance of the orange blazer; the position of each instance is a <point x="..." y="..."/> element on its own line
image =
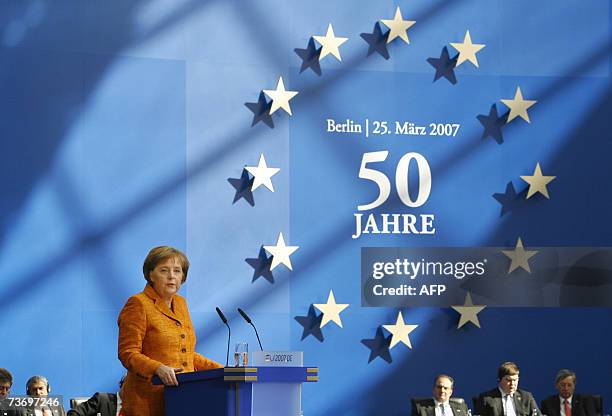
<point x="151" y="334"/>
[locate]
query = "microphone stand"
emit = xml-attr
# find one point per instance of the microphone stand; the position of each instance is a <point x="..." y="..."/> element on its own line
<point x="229" y="334"/>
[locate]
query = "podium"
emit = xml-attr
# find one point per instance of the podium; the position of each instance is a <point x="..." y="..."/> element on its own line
<point x="239" y="391"/>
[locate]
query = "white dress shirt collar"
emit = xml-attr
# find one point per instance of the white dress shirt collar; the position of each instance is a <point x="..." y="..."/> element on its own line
<point x="504" y="394"/>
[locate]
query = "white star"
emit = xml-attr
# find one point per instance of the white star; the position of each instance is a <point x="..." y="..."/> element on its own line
<point x="398" y="26"/>
<point x="281" y="253"/>
<point x="331" y="310"/>
<point x="468" y="312"/>
<point x="519" y="257"/>
<point x="518" y="106"/>
<point x="400" y="331"/>
<point x="330" y="43"/>
<point x="537" y="182"/>
<point x="262" y="173"/>
<point x="280" y="97"/>
<point x="467" y="50"/>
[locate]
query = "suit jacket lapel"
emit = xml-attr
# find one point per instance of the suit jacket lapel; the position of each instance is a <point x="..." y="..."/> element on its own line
<point x="111" y="404"/>
<point x="576" y="406"/>
<point x="499" y="406"/>
<point x="430" y="408"/>
<point x="163" y="308"/>
<point x="518" y="403"/>
<point x="456" y="409"/>
<point x="557" y="405"/>
<point x="160" y="305"/>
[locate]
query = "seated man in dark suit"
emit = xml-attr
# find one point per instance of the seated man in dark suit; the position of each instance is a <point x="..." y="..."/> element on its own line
<point x="104" y="404"/>
<point x="567" y="403"/>
<point x="506" y="399"/>
<point x="6" y="382"/>
<point x="38" y="386"/>
<point x="441" y="403"/>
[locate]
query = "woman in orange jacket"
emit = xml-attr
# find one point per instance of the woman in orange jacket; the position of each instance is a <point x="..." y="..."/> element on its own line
<point x="156" y="336"/>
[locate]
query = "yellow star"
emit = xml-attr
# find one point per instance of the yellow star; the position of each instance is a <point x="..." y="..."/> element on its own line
<point x="518" y="106"/>
<point x="467" y="50"/>
<point x="469" y="312"/>
<point x="330" y="43"/>
<point x="519" y="256"/>
<point x="331" y="310"/>
<point x="398" y="26"/>
<point x="280" y="97"/>
<point x="537" y="182"/>
<point x="400" y="331"/>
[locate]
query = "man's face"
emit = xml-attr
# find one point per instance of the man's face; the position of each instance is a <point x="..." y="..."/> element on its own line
<point x="443" y="389"/>
<point x="38" y="389"/>
<point x="5" y="389"/>
<point x="566" y="387"/>
<point x="508" y="384"/>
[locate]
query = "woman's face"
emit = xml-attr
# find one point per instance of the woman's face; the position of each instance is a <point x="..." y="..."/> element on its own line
<point x="167" y="277"/>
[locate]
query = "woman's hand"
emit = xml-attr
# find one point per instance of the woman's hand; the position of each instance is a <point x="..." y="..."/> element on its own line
<point x="168" y="375"/>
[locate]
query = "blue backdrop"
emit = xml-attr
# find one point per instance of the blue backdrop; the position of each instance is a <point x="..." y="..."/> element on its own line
<point x="121" y="121"/>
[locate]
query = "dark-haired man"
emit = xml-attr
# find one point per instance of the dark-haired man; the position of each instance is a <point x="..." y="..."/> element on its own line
<point x="441" y="403"/>
<point x="506" y="399"/>
<point x="6" y="382"/>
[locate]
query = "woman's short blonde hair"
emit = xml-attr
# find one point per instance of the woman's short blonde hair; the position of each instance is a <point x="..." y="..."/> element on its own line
<point x="161" y="253"/>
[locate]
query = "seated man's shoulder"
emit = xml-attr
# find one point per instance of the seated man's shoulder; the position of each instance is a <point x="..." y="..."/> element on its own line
<point x="490" y="393"/>
<point x="588" y="400"/>
<point x="423" y="401"/>
<point x="584" y="396"/>
<point x="458" y="403"/>
<point x="104" y="396"/>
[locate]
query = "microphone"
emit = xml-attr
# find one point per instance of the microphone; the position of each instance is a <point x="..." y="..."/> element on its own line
<point x="223" y="318"/>
<point x="246" y="318"/>
<point x="244" y="315"/>
<point x="229" y="334"/>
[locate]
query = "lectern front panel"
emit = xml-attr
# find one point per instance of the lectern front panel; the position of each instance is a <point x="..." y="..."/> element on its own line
<point x="276" y="399"/>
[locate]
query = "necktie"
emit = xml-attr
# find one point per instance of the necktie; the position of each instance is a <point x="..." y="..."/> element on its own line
<point x="442" y="409"/>
<point x="508" y="406"/>
<point x="568" y="409"/>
